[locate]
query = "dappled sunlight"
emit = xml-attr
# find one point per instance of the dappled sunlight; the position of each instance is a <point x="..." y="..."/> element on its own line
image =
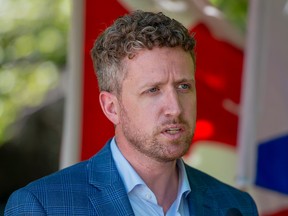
<point x="33" y="46"/>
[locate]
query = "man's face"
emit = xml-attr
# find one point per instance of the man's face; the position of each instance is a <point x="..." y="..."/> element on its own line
<point x="157" y="104"/>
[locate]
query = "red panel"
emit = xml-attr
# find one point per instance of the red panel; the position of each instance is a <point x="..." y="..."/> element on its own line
<point x="96" y="128"/>
<point x="280" y="213"/>
<point x="218" y="81"/>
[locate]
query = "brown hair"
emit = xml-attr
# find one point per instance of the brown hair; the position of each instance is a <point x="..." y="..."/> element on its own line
<point x="129" y="34"/>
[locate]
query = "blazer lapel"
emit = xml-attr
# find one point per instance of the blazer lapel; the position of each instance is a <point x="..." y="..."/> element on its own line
<point x="109" y="196"/>
<point x="201" y="203"/>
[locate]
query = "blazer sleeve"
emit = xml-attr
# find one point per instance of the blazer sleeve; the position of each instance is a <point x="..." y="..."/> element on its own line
<point x="23" y="202"/>
<point x="253" y="204"/>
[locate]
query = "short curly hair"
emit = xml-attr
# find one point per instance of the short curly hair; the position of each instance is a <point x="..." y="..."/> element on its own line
<point x="129" y="34"/>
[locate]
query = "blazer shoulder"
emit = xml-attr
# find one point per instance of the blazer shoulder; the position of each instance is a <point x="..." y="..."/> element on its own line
<point x="65" y="192"/>
<point x="206" y="181"/>
<point x="51" y="194"/>
<point x="23" y="202"/>
<point x="74" y="174"/>
<point x="224" y="195"/>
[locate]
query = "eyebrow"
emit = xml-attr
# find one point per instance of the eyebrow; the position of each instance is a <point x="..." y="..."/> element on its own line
<point x="186" y="80"/>
<point x="159" y="83"/>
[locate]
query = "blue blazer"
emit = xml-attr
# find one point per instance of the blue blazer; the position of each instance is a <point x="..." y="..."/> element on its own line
<point x="94" y="187"/>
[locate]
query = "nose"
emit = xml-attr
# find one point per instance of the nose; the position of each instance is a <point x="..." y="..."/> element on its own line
<point x="172" y="103"/>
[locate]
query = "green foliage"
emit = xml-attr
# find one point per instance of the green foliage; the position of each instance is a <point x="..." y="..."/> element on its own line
<point x="235" y="11"/>
<point x="33" y="47"/>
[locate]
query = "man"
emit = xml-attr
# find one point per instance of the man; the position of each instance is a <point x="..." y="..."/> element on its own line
<point x="145" y="66"/>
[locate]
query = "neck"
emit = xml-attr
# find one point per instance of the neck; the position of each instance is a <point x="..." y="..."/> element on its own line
<point x="161" y="177"/>
<point x="163" y="180"/>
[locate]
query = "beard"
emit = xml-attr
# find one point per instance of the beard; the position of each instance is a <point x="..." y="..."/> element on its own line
<point x="152" y="145"/>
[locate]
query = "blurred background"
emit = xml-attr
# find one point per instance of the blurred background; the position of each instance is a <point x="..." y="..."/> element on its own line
<point x="49" y="112"/>
<point x="33" y="61"/>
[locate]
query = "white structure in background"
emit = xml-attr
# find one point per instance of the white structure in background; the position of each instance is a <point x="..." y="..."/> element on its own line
<point x="265" y="93"/>
<point x="70" y="148"/>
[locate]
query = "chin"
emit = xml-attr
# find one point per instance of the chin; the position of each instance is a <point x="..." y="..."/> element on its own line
<point x="174" y="155"/>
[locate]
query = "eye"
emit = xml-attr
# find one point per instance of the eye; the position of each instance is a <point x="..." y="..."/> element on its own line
<point x="184" y="86"/>
<point x="153" y="90"/>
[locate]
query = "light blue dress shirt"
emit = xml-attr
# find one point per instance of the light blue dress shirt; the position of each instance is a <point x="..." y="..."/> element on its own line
<point x="142" y="199"/>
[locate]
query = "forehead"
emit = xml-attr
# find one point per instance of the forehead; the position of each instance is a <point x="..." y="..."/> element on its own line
<point x="159" y="62"/>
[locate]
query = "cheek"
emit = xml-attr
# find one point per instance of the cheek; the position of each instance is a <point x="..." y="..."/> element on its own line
<point x="139" y="112"/>
<point x="189" y="107"/>
<point x="146" y="116"/>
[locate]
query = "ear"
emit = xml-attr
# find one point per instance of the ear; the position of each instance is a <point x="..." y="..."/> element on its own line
<point x="109" y="105"/>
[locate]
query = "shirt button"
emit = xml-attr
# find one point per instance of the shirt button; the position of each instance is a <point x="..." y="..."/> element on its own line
<point x="148" y="196"/>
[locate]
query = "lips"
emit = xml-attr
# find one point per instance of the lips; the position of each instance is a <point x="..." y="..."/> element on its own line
<point x="173" y="129"/>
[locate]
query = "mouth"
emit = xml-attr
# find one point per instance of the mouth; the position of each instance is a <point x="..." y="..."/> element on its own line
<point x="173" y="131"/>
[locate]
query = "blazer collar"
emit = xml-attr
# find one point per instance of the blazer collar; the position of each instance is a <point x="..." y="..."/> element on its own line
<point x="201" y="203"/>
<point x="109" y="196"/>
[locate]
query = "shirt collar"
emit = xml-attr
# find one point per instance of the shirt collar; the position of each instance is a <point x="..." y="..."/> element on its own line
<point x="127" y="173"/>
<point x="131" y="179"/>
<point x="184" y="186"/>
